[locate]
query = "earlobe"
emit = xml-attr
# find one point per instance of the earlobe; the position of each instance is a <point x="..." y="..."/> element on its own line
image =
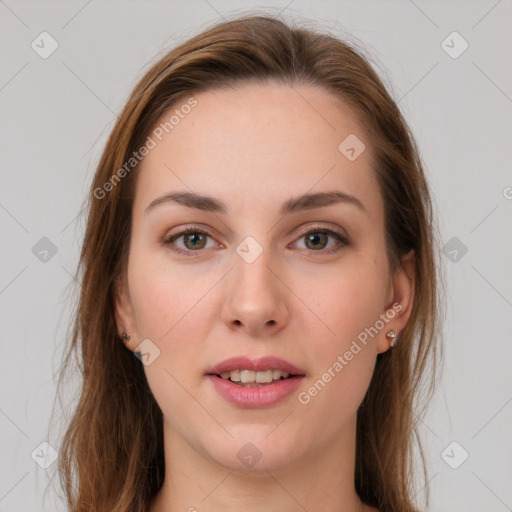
<point x="123" y="311"/>
<point x="391" y="337"/>
<point x="399" y="304"/>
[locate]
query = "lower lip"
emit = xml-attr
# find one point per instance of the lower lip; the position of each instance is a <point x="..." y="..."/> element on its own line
<point x="255" y="396"/>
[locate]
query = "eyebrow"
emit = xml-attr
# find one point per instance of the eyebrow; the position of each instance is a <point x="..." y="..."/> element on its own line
<point x="293" y="205"/>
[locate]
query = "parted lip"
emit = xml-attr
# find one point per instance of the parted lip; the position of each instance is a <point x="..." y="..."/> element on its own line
<point x="257" y="365"/>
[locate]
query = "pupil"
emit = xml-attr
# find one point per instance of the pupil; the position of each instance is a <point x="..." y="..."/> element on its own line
<point x="195" y="240"/>
<point x="316" y="238"/>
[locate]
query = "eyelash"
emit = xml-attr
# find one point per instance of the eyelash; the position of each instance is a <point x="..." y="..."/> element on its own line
<point x="343" y="241"/>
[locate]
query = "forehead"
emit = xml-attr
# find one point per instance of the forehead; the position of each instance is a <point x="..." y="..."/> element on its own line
<point x="257" y="144"/>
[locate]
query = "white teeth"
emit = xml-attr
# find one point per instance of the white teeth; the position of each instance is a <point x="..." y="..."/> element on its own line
<point x="235" y="376"/>
<point x="264" y="377"/>
<point x="250" y="376"/>
<point x="247" y="376"/>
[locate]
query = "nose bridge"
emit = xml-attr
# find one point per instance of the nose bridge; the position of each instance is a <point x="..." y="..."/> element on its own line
<point x="252" y="277"/>
<point x="252" y="259"/>
<point x="255" y="299"/>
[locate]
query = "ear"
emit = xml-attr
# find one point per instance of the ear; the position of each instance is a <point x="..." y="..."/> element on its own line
<point x="124" y="312"/>
<point x="399" y="300"/>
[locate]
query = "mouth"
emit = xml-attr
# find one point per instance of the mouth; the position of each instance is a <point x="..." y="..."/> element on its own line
<point x="250" y="378"/>
<point x="246" y="372"/>
<point x="255" y="384"/>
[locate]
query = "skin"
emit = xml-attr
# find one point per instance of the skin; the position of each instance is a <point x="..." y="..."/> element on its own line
<point x="254" y="148"/>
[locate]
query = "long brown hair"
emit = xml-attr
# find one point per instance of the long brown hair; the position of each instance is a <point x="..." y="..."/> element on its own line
<point x="111" y="457"/>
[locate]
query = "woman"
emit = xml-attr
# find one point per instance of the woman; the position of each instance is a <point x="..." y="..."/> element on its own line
<point x="259" y="237"/>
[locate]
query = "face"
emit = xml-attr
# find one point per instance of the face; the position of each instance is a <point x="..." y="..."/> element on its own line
<point x="245" y="266"/>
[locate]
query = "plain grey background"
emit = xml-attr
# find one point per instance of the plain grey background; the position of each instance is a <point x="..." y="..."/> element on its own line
<point x="56" y="113"/>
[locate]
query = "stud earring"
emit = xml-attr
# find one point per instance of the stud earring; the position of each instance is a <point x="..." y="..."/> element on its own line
<point x="391" y="336"/>
<point x="125" y="336"/>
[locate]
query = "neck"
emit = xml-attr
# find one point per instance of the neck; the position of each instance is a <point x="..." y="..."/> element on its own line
<point x="323" y="480"/>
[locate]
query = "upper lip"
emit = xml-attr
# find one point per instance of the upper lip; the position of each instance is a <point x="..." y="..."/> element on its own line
<point x="257" y="365"/>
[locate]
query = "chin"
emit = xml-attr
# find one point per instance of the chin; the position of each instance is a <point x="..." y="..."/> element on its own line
<point x="257" y="450"/>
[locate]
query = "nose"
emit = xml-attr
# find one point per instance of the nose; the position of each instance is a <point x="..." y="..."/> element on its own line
<point x="255" y="302"/>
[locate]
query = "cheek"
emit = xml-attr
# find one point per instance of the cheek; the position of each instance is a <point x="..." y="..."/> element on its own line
<point x="345" y="301"/>
<point x="174" y="309"/>
<point x="334" y="395"/>
<point x="344" y="338"/>
<point x="165" y="299"/>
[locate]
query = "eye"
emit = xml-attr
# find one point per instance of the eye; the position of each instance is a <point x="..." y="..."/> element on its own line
<point x="189" y="240"/>
<point x="322" y="240"/>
